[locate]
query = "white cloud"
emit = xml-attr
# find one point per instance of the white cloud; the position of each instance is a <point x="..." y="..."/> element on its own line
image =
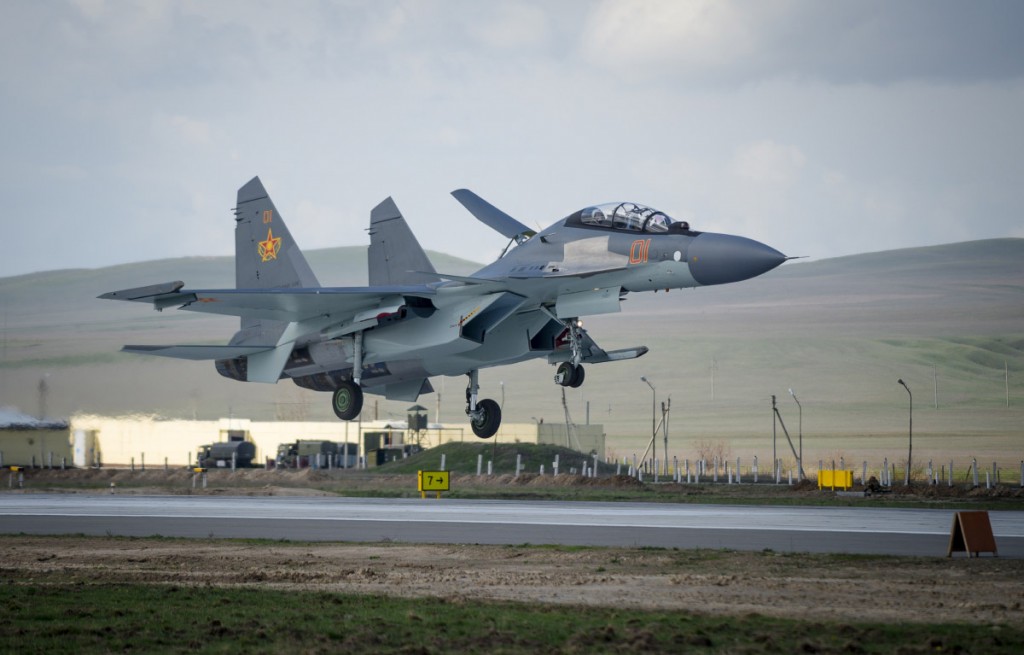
<point x="769" y="163"/>
<point x="663" y="36"/>
<point x="193" y="131"/>
<point x="512" y="25"/>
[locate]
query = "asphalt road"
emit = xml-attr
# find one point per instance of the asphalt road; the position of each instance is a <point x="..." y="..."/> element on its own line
<point x="792" y="529"/>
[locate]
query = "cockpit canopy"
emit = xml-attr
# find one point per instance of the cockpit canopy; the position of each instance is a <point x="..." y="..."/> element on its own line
<point x="628" y="216"/>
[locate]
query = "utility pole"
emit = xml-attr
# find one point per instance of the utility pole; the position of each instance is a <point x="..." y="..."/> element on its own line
<point x="910" y="439"/>
<point x="775" y="457"/>
<point x="44" y="391"/>
<point x="800" y="458"/>
<point x="665" y="408"/>
<point x="654" y="420"/>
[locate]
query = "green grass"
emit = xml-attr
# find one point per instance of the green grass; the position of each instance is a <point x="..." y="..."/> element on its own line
<point x="47" y="615"/>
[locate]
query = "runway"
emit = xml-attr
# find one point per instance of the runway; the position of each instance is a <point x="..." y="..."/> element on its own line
<point x="783" y="529"/>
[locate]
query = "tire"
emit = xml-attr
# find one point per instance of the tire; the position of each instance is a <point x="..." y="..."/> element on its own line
<point x="490" y="419"/>
<point x="347" y="401"/>
<point x="577" y="377"/>
<point x="566" y="372"/>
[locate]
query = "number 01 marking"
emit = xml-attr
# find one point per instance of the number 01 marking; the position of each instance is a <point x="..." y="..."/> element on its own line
<point x="639" y="250"/>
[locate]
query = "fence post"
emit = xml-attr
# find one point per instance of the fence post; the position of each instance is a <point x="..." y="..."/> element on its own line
<point x="442" y="464"/>
<point x="739" y="476"/>
<point x="974" y="467"/>
<point x="864" y="473"/>
<point x="519" y="459"/>
<point x="755" y="469"/>
<point x="479" y="463"/>
<point x="490" y="467"/>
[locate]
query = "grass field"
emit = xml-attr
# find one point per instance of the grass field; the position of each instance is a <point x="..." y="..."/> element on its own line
<point x="47" y="614"/>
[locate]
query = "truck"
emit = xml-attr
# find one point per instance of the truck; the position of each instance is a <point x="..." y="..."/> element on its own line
<point x="219" y="455"/>
<point x="307" y="453"/>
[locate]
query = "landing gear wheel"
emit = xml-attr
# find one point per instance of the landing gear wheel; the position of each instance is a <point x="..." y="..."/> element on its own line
<point x="347" y="401"/>
<point x="577" y="378"/>
<point x="564" y="374"/>
<point x="488" y="419"/>
<point x="569" y="375"/>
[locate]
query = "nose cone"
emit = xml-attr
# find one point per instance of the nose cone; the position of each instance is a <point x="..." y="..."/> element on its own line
<point x="722" y="258"/>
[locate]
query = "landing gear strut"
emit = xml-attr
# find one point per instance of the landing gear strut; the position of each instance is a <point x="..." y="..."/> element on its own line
<point x="484" y="415"/>
<point x="571" y="373"/>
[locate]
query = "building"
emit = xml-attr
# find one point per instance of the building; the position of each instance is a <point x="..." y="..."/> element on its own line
<point x="35" y="443"/>
<point x="91" y="440"/>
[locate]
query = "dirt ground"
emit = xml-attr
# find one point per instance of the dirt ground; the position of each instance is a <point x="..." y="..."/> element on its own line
<point x="797" y="586"/>
<point x="806" y="587"/>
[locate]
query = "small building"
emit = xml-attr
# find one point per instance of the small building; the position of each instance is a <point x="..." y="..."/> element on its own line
<point x="35" y="443"/>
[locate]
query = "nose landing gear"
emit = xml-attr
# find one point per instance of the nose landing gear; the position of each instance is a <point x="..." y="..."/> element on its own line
<point x="570" y="375"/>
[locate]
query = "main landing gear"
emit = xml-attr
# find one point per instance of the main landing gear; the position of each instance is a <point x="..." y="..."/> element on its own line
<point x="347" y="401"/>
<point x="484" y="415"/>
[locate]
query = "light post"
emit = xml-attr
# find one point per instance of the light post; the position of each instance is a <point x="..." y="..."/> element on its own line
<point x="910" y="437"/>
<point x="800" y="457"/>
<point x="654" y="426"/>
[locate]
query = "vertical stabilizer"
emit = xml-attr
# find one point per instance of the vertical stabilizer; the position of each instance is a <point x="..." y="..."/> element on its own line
<point x="266" y="256"/>
<point x="395" y="256"/>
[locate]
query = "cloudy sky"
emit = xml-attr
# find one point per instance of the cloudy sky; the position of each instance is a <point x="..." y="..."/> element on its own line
<point x="821" y="128"/>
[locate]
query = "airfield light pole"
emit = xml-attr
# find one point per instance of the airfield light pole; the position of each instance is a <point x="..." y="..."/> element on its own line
<point x="654" y="424"/>
<point x="800" y="458"/>
<point x="910" y="439"/>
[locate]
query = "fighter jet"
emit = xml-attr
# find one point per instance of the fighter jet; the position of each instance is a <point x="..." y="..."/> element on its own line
<point x="412" y="323"/>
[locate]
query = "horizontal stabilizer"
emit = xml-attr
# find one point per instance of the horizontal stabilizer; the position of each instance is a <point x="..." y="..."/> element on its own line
<point x="493" y="217"/>
<point x="286" y="305"/>
<point x="159" y="295"/>
<point x="197" y="353"/>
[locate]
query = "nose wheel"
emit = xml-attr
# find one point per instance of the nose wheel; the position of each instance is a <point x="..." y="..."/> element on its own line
<point x="569" y="375"/>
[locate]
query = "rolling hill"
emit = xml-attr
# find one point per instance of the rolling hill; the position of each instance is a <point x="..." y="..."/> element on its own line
<point x="947" y="319"/>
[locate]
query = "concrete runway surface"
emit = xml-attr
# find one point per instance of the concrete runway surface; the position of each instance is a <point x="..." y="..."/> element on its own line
<point x="784" y="529"/>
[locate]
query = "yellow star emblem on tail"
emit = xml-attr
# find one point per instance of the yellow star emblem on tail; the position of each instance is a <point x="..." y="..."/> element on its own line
<point x="268" y="249"/>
